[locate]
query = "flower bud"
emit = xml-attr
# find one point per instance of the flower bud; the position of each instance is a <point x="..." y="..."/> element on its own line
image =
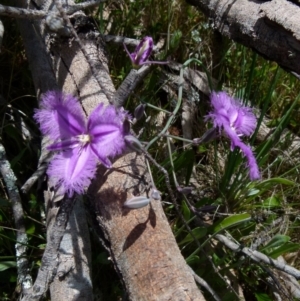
<point x="206" y="137"/>
<point x="126" y="126"/>
<point x="155" y="194"/>
<point x="142" y="51"/>
<point x="133" y="143"/>
<point x="185" y="190"/>
<point x="139" y="111"/>
<point x="137" y="202"/>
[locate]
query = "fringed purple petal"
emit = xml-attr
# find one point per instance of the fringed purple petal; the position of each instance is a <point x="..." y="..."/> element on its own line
<point x="236" y="142"/>
<point x="245" y="122"/>
<point x="65" y="144"/>
<point x="71" y="171"/>
<point x="101" y="155"/>
<point x="230" y="112"/>
<point x="105" y="125"/>
<point x="61" y="116"/>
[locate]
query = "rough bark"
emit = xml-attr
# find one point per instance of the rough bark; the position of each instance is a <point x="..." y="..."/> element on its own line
<point x="24" y="278"/>
<point x="72" y="281"/>
<point x="272" y="28"/>
<point x="141" y="242"/>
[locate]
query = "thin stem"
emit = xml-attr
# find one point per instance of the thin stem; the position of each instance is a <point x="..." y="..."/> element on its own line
<point x="179" y="138"/>
<point x="171" y="161"/>
<point x="157" y="108"/>
<point x="170" y="120"/>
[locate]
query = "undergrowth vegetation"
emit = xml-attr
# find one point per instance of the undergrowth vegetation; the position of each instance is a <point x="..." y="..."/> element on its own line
<point x="262" y="215"/>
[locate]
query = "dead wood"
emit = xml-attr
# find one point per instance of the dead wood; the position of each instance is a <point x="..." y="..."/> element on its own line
<point x="271" y="28"/>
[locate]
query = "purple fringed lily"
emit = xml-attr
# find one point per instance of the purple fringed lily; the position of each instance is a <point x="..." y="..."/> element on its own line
<point x="142" y="52"/>
<point x="235" y="120"/>
<point x="80" y="144"/>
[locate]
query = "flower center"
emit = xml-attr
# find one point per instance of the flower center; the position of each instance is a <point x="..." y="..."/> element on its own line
<point x="84" y="139"/>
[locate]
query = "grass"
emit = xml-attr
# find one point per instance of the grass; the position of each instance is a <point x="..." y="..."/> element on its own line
<point x="223" y="193"/>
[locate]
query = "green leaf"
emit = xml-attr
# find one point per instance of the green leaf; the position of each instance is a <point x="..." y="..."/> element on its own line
<point x="4" y="265"/>
<point x="30" y="229"/>
<point x="230" y="221"/>
<point x="253" y="191"/>
<point x="276" y="241"/>
<point x="17" y="158"/>
<point x="197" y="232"/>
<point x="286" y="248"/>
<point x="186" y="211"/>
<point x="273" y="181"/>
<point x="262" y="297"/>
<point x="4" y="202"/>
<point x="270" y="202"/>
<point x="175" y="39"/>
<point x="192" y="260"/>
<point x="190" y="159"/>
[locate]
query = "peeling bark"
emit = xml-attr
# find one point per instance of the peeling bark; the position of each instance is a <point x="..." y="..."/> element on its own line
<point x="272" y="28"/>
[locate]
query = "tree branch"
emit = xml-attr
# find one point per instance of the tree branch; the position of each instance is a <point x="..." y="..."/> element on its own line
<point x="23" y="13"/>
<point x="258" y="256"/>
<point x="204" y="284"/>
<point x="50" y="257"/>
<point x="10" y="179"/>
<point x="272" y="28"/>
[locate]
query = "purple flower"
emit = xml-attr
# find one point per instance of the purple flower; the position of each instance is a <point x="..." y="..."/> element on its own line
<point x="142" y="52"/>
<point x="235" y="120"/>
<point x="80" y="144"/>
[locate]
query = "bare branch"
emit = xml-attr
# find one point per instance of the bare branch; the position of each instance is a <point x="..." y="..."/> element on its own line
<point x="1" y="33"/>
<point x="70" y="9"/>
<point x="132" y="80"/>
<point x="23" y="13"/>
<point x="204" y="284"/>
<point x="10" y="179"/>
<point x="42" y="166"/>
<point x="270" y="27"/>
<point x="258" y="256"/>
<point x="94" y="68"/>
<point x="50" y="261"/>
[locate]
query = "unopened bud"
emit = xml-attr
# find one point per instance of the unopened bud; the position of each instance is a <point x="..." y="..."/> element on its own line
<point x="137" y="202"/>
<point x="139" y="111"/>
<point x="155" y="194"/>
<point x="206" y="137"/>
<point x="126" y="126"/>
<point x="133" y="143"/>
<point x="185" y="190"/>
